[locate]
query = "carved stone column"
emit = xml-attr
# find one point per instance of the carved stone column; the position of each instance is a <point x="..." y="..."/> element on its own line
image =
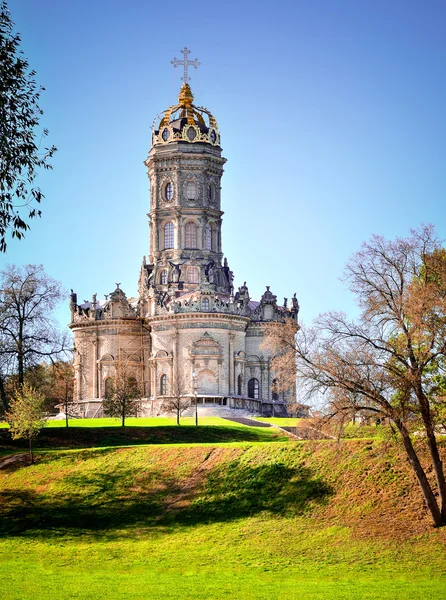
<point x="231" y="337"/>
<point x="95" y="369"/>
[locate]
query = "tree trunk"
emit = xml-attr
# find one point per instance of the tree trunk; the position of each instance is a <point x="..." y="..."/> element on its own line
<point x="31" y="455"/>
<point x="414" y="462"/>
<point x="435" y="455"/>
<point x="178" y="416"/>
<point x="3" y="395"/>
<point x="20" y="357"/>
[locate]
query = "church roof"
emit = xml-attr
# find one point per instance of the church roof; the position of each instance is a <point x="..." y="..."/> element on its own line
<point x="185" y="122"/>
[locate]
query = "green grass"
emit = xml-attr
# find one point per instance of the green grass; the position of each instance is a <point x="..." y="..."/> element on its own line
<point x="87" y="433"/>
<point x="139" y="422"/>
<point x="281" y="421"/>
<point x="257" y="521"/>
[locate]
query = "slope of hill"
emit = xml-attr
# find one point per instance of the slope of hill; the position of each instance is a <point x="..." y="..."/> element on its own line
<point x="305" y="520"/>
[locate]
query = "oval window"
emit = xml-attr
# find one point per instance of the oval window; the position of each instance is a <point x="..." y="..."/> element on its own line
<point x="165" y="134"/>
<point x="191" y="134"/>
<point x="169" y="191"/>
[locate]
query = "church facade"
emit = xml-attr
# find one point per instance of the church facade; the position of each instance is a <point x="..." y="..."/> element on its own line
<point x="189" y="332"/>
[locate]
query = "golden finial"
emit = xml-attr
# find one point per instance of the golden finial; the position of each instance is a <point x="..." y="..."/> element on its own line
<point x="186" y="97"/>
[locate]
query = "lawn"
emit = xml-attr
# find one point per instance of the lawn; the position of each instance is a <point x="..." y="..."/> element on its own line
<point x="87" y="433"/>
<point x="257" y="521"/>
<point x="281" y="421"/>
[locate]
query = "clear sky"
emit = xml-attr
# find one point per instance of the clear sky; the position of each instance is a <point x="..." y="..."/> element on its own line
<point x="332" y="117"/>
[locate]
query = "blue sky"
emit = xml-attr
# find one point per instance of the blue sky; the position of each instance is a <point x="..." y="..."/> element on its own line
<point x="332" y="116"/>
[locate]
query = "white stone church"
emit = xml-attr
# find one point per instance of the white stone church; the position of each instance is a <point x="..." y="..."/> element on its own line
<point x="188" y="331"/>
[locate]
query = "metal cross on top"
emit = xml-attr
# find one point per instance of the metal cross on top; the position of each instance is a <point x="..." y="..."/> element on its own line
<point x="186" y="63"/>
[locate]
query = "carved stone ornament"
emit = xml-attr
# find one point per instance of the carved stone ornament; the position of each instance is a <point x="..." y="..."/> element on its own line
<point x="162" y="184"/>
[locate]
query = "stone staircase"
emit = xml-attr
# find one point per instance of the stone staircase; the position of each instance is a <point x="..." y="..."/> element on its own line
<point x="219" y="411"/>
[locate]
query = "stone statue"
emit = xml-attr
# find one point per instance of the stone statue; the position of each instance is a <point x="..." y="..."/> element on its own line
<point x="176" y="271"/>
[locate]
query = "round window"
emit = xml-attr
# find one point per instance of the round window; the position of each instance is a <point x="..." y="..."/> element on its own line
<point x="169" y="191"/>
<point x="213" y="136"/>
<point x="165" y="134"/>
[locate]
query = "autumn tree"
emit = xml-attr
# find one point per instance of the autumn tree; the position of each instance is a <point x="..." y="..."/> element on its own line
<point x="22" y="154"/>
<point x="177" y="402"/>
<point x="26" y="415"/>
<point x="55" y="380"/>
<point x="28" y="333"/>
<point x="390" y="361"/>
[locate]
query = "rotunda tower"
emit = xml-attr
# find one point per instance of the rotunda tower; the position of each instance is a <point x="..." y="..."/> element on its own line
<point x="185" y="167"/>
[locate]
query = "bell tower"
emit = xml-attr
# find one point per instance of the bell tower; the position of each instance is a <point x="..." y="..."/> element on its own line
<point x="185" y="167"/>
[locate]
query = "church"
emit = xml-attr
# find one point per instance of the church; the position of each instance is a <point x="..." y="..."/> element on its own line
<point x="189" y="332"/>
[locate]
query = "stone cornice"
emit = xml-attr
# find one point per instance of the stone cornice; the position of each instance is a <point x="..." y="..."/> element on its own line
<point x="197" y="316"/>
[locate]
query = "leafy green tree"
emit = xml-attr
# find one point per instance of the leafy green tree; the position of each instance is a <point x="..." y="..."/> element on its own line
<point x="26" y="415"/>
<point x="21" y="154"/>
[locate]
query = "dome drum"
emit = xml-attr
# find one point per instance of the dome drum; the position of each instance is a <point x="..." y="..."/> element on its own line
<point x="185" y="122"/>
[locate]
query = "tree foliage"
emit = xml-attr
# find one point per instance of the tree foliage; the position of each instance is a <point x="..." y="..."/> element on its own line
<point x="391" y="361"/>
<point x="26" y="415"/>
<point x="28" y="333"/>
<point x="55" y="380"/>
<point x="21" y="154"/>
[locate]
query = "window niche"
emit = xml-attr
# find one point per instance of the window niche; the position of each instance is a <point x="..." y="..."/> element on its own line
<point x="190" y="235"/>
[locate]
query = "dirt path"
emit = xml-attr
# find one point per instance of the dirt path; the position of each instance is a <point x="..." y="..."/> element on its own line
<point x="9" y="461"/>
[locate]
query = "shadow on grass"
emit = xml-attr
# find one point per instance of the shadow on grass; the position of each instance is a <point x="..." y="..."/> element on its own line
<point x="90" y="437"/>
<point x="106" y="503"/>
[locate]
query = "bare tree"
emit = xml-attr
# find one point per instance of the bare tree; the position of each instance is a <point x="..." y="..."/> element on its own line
<point x="124" y="393"/>
<point x="177" y="402"/>
<point x="28" y="334"/>
<point x="391" y="361"/>
<point x="280" y="339"/>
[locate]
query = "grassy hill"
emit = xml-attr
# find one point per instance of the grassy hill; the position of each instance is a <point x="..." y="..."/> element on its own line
<point x="229" y="520"/>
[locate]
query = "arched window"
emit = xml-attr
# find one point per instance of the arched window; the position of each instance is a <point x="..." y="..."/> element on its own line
<point x="168" y="235"/>
<point x="163" y="385"/>
<point x="253" y="388"/>
<point x="191" y="190"/>
<point x="275" y="394"/>
<point x="239" y="385"/>
<point x="190" y="231"/>
<point x="208" y="237"/>
<point x="210" y="192"/>
<point x="109" y="386"/>
<point x="193" y="275"/>
<point x="163" y="277"/>
<point x="132" y="385"/>
<point x="205" y="304"/>
<point x="169" y="191"/>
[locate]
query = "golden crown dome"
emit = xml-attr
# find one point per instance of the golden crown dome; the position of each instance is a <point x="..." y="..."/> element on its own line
<point x="185" y="122"/>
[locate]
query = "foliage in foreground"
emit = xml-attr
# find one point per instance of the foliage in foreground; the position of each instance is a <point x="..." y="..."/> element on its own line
<point x="26" y="415"/>
<point x="21" y="155"/>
